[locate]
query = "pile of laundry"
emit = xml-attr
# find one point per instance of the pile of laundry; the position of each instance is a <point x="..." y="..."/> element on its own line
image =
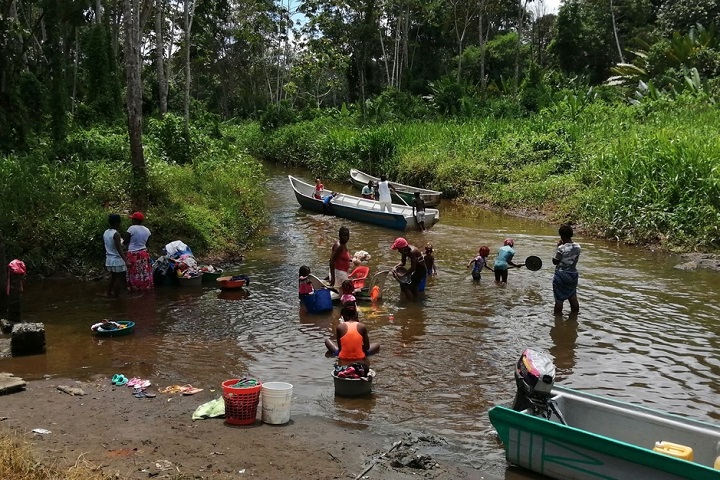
<point x="178" y="261"/>
<point x="353" y="371"/>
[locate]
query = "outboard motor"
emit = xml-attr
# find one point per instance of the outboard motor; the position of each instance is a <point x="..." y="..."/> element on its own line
<point x="535" y="377"/>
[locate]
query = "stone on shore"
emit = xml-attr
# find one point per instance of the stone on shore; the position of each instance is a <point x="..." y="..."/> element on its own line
<point x="10" y="383"/>
<point x="28" y="339"/>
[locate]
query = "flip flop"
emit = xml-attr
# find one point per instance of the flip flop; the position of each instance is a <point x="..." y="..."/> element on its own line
<point x="144" y="394"/>
<point x="115" y="378"/>
<point x="121" y="381"/>
<point x="190" y="390"/>
<point x="139" y="383"/>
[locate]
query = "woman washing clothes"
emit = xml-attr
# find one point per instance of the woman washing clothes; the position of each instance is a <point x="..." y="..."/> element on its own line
<point x="139" y="276"/>
<point x="353" y="342"/>
<point x="417" y="269"/>
<point x="340" y="259"/>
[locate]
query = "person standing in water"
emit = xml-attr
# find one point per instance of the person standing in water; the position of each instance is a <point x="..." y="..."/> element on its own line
<point x="503" y="261"/>
<point x="565" y="279"/>
<point x="418" y="207"/>
<point x="417" y="270"/>
<point x="479" y="263"/>
<point x="115" y="259"/>
<point x="385" y="198"/>
<point x="340" y="259"/>
<point x="139" y="266"/>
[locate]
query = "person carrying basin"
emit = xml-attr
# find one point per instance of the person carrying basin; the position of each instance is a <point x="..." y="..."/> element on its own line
<point x="416" y="271"/>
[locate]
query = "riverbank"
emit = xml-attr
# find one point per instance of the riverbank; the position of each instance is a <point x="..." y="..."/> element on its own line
<point x="129" y="438"/>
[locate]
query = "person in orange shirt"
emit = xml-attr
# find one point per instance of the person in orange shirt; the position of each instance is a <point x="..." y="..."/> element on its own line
<point x="353" y="342"/>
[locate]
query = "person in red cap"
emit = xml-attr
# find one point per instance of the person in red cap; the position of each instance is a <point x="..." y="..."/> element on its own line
<point x="139" y="276"/>
<point x="417" y="270"/>
<point x="503" y="261"/>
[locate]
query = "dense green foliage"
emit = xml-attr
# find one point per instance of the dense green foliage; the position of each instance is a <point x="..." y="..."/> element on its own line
<point x="639" y="174"/>
<point x="54" y="213"/>
<point x="602" y="113"/>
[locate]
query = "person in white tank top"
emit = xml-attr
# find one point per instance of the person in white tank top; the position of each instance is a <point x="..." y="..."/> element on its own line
<point x="115" y="259"/>
<point x="384" y="189"/>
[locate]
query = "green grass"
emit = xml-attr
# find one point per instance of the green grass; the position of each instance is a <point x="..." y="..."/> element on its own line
<point x="646" y="174"/>
<point x="54" y="213"/>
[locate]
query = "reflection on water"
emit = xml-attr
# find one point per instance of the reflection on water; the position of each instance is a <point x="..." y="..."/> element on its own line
<point x="646" y="332"/>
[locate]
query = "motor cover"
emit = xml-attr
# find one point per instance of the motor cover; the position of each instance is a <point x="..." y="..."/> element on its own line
<point x="535" y="373"/>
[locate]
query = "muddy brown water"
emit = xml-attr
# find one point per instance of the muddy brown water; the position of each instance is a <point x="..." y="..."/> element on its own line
<point x="646" y="332"/>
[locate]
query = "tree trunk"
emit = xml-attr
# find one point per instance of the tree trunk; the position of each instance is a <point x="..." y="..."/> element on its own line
<point x="614" y="26"/>
<point x="522" y="4"/>
<point x="134" y="102"/>
<point x="160" y="58"/>
<point x="481" y="43"/>
<point x="98" y="11"/>
<point x="188" y="25"/>
<point x="3" y="279"/>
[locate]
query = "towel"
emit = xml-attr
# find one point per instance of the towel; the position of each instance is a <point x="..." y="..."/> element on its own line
<point x="213" y="408"/>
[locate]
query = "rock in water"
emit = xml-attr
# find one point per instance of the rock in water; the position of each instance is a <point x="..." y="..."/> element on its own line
<point x="28" y="339"/>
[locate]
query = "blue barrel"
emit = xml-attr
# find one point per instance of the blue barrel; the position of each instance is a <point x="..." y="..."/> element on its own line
<point x="318" y="302"/>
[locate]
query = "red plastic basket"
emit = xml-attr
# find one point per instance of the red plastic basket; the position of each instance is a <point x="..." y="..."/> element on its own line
<point x="240" y="403"/>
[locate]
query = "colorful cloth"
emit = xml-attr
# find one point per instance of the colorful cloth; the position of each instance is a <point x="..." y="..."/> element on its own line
<point x="564" y="285"/>
<point x="139" y="271"/>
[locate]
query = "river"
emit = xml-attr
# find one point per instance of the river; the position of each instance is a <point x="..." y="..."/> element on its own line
<point x="646" y="332"/>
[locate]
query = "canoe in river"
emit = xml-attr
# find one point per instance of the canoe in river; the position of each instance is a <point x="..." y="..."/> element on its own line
<point x="405" y="193"/>
<point x="361" y="209"/>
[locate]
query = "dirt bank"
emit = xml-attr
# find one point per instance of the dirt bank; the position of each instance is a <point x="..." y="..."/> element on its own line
<point x="133" y="438"/>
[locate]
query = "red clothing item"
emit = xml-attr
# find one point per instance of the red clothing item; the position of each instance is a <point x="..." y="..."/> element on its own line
<point x="342" y="262"/>
<point x="352" y="343"/>
<point x="318" y="190"/>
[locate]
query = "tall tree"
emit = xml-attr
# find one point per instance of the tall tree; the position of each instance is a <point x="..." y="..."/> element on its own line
<point x="160" y="57"/>
<point x="133" y="41"/>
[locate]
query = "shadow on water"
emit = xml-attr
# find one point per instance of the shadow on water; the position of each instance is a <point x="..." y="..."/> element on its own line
<point x="646" y="331"/>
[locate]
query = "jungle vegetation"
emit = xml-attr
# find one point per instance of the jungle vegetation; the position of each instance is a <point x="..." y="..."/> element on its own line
<point x="602" y="113"/>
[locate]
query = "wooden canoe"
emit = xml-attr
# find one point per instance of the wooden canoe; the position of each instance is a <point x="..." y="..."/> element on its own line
<point x="361" y="209"/>
<point x="606" y="438"/>
<point x="405" y="193"/>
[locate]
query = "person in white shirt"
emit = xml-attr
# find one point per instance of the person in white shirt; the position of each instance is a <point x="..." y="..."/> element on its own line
<point x="384" y="189"/>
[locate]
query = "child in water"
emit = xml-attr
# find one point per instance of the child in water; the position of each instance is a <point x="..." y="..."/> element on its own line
<point x="430" y="260"/>
<point x="479" y="262"/>
<point x="353" y="342"/>
<point x="348" y="292"/>
<point x="304" y="285"/>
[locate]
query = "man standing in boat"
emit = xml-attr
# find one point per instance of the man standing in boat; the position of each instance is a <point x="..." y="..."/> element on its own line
<point x="384" y="189"/>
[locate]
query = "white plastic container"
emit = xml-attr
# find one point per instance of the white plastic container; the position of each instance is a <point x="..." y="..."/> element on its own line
<point x="276" y="401"/>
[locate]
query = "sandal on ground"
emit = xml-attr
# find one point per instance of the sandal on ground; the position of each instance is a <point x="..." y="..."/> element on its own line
<point x="121" y="381"/>
<point x="115" y="378"/>
<point x="190" y="390"/>
<point x="172" y="389"/>
<point x="139" y="383"/>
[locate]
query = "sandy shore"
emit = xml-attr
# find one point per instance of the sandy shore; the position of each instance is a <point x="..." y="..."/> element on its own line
<point x="144" y="438"/>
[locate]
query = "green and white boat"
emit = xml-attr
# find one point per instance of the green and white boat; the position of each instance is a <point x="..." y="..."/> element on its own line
<point x="571" y="435"/>
<point x="405" y="194"/>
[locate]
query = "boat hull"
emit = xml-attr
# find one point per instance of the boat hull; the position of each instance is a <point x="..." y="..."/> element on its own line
<point x="605" y="439"/>
<point x="360" y="209"/>
<point x="405" y="194"/>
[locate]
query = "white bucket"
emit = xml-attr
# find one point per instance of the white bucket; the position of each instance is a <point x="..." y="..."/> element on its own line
<point x="276" y="400"/>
